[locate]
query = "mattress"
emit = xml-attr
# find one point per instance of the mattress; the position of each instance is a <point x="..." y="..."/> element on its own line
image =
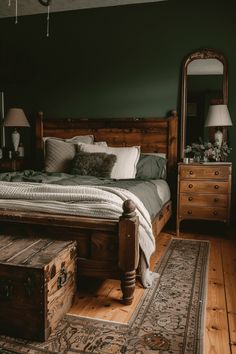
<point x="152" y="193"/>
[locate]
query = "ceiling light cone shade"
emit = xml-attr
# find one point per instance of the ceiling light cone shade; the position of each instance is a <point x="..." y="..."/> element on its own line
<point x="218" y="116"/>
<point x="16" y="118"/>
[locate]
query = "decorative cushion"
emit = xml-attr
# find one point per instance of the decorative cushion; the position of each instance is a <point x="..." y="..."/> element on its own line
<point x="59" y="155"/>
<point x="96" y="164"/>
<point x="87" y="139"/>
<point x="151" y="167"/>
<point x="127" y="158"/>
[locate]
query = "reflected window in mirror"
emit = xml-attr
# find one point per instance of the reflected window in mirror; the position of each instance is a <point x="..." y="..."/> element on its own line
<point x="204" y="82"/>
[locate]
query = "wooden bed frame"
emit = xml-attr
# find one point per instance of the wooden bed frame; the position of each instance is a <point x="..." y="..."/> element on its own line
<point x="106" y="248"/>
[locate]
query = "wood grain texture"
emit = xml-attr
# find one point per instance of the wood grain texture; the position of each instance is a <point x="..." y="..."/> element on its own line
<point x="229" y="261"/>
<point x="102" y="243"/>
<point x="217" y="340"/>
<point x="151" y="134"/>
<point x="37" y="285"/>
<point x="204" y="192"/>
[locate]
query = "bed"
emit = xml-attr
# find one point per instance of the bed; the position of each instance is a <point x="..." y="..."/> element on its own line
<point x="107" y="247"/>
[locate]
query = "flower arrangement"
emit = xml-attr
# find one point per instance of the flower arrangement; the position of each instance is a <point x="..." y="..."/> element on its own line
<point x="208" y="151"/>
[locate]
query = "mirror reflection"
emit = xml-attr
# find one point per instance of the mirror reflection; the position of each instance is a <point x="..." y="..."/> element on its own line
<point x="204" y="83"/>
<point x="204" y="87"/>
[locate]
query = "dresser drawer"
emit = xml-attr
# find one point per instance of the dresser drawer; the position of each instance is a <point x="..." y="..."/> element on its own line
<point x="209" y="213"/>
<point x="204" y="192"/>
<point x="211" y="200"/>
<point x="203" y="172"/>
<point x="201" y="186"/>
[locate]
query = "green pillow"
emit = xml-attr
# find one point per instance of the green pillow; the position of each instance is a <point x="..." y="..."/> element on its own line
<point x="98" y="164"/>
<point x="151" y="167"/>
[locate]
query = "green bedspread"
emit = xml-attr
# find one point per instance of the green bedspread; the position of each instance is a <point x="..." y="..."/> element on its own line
<point x="145" y="190"/>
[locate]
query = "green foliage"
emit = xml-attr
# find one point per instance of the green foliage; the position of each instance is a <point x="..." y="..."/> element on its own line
<point x="208" y="151"/>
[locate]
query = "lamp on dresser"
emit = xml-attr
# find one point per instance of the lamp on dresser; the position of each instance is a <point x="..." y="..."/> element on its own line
<point x="218" y="116"/>
<point x="16" y="118"/>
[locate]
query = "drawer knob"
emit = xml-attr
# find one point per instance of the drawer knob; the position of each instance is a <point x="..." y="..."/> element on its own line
<point x="216" y="186"/>
<point x="217" y="173"/>
<point x="190" y="198"/>
<point x="190" y="212"/>
<point x="215" y="212"/>
<point x="190" y="186"/>
<point x="190" y="172"/>
<point x="216" y="200"/>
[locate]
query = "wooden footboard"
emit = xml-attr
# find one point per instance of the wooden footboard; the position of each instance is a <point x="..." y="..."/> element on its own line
<point x="106" y="248"/>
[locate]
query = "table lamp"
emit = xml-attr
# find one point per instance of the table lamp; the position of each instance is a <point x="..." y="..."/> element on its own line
<point x="218" y="116"/>
<point x="15" y="117"/>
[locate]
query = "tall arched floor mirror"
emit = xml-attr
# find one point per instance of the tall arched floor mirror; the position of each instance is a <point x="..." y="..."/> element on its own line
<point x="204" y="186"/>
<point x="204" y="82"/>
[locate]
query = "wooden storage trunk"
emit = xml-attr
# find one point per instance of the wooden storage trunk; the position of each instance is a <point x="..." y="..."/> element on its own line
<point x="37" y="285"/>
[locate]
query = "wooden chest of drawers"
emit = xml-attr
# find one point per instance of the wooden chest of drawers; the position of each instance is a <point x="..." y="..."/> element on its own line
<point x="204" y="192"/>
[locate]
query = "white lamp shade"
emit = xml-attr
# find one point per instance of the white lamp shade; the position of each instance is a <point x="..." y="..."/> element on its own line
<point x="16" y="118"/>
<point x="218" y="116"/>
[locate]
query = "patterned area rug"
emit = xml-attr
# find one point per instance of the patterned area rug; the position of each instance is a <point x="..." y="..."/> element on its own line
<point x="169" y="319"/>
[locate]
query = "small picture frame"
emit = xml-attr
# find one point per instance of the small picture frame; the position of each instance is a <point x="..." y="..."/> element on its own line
<point x="191" y="109"/>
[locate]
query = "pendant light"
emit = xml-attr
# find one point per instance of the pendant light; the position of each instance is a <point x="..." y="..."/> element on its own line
<point x="41" y="2"/>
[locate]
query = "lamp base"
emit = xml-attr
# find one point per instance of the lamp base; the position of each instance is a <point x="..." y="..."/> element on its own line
<point x="218" y="137"/>
<point x="15" y="136"/>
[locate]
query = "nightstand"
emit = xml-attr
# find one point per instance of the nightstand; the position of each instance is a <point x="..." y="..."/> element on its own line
<point x="204" y="192"/>
<point x="12" y="165"/>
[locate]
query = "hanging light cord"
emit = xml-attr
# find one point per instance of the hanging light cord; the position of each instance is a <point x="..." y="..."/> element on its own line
<point x="16" y="18"/>
<point x="42" y="2"/>
<point x="48" y="21"/>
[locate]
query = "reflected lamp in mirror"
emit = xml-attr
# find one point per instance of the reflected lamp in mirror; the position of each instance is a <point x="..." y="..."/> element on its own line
<point x="218" y="116"/>
<point x="15" y="117"/>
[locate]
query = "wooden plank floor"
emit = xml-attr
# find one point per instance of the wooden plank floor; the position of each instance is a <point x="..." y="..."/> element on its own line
<point x="100" y="299"/>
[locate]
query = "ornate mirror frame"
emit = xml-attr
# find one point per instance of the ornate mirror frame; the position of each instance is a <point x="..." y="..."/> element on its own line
<point x="204" y="53"/>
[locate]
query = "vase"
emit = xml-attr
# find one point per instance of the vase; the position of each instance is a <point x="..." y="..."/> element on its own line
<point x="15" y="136"/>
<point x="197" y="158"/>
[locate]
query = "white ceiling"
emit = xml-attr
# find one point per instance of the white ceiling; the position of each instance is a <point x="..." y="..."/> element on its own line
<point x="31" y="7"/>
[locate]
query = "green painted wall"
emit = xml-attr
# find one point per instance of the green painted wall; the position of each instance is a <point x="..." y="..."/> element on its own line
<point x="113" y="62"/>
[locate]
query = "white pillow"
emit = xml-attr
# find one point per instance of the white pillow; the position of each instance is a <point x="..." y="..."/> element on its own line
<point x="127" y="158"/>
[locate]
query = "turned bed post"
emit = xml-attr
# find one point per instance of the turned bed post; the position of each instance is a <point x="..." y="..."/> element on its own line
<point x="128" y="250"/>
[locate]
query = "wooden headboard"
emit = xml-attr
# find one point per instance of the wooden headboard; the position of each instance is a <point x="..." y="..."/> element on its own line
<point x="152" y="134"/>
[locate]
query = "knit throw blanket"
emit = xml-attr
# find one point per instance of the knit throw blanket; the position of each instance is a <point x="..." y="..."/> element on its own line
<point x="104" y="202"/>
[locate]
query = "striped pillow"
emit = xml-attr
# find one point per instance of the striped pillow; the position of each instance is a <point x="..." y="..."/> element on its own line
<point x="59" y="155"/>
